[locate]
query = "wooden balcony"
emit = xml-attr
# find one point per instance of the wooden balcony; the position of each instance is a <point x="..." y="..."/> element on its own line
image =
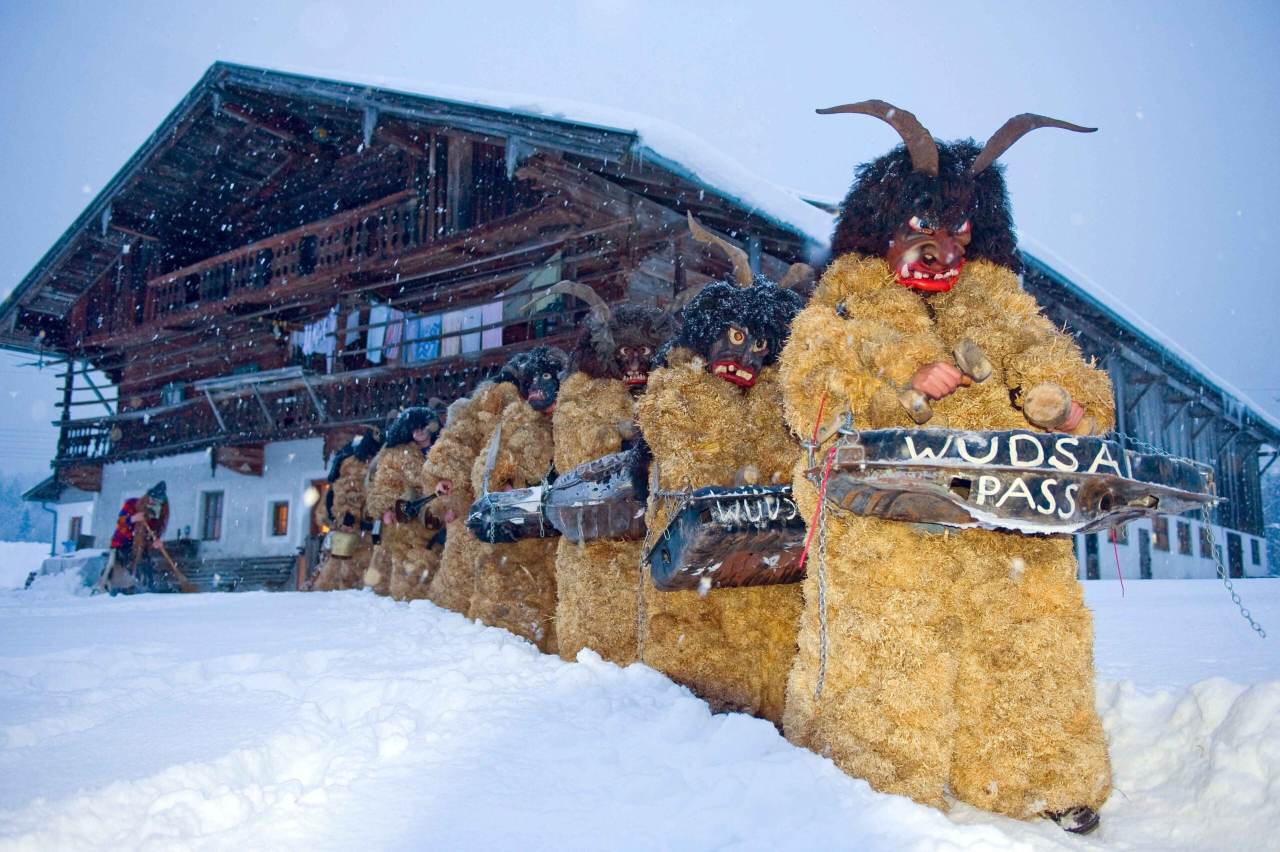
<point x="369" y="236"/>
<point x="276" y="406"/>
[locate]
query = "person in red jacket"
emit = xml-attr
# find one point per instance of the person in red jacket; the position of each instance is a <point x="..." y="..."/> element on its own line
<point x="151" y="510"/>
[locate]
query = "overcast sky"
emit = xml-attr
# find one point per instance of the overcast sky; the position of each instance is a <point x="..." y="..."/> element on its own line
<point x="1167" y="207"/>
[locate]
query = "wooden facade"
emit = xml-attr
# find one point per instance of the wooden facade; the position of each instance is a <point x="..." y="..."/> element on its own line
<point x="1165" y="401"/>
<point x="267" y="201"/>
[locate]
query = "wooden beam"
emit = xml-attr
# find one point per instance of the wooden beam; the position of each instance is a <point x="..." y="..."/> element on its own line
<point x="1271" y="459"/>
<point x="459" y="183"/>
<point x="222" y="425"/>
<point x="246" y="459"/>
<point x="1176" y="413"/>
<point x="1149" y="384"/>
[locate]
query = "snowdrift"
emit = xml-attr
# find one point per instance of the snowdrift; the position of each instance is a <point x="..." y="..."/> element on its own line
<point x="343" y="720"/>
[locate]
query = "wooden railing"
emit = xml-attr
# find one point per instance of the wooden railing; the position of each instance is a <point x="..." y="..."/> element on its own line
<point x="275" y="411"/>
<point x="377" y="232"/>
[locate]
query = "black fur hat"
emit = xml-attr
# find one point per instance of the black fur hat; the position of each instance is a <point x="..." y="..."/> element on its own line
<point x="525" y="366"/>
<point x="764" y="307"/>
<point x="362" y="447"/>
<point x="596" y="352"/>
<point x="411" y="420"/>
<point x="944" y="182"/>
<point x="886" y="192"/>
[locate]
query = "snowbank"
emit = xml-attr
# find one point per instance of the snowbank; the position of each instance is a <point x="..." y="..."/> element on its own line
<point x="18" y="559"/>
<point x="337" y="721"/>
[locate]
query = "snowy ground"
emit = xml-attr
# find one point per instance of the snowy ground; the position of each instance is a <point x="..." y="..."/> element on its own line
<point x="342" y="720"/>
<point x="18" y="559"/>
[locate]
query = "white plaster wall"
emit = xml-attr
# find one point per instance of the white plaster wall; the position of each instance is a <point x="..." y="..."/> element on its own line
<point x="81" y="505"/>
<point x="1170" y="564"/>
<point x="289" y="469"/>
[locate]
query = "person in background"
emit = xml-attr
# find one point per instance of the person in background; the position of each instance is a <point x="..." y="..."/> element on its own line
<point x="132" y="557"/>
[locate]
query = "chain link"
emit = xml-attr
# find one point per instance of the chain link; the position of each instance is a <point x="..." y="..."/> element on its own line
<point x="822" y="600"/>
<point x="849" y="435"/>
<point x="1225" y="575"/>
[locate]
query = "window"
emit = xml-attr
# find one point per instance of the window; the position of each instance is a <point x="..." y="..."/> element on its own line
<point x="1184" y="538"/>
<point x="211" y="516"/>
<point x="1144" y="554"/>
<point x="1255" y="551"/>
<point x="279" y="517"/>
<point x="77" y="524"/>
<point x="1160" y="525"/>
<point x="171" y="394"/>
<point x="1206" y="549"/>
<point x="1091" y="556"/>
<point x="1120" y="534"/>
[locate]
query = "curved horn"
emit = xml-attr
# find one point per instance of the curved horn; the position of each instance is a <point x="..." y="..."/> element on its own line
<point x="796" y="275"/>
<point x="1013" y="130"/>
<point x="919" y="141"/>
<point x="742" y="273"/>
<point x="600" y="310"/>
<point x="684" y="297"/>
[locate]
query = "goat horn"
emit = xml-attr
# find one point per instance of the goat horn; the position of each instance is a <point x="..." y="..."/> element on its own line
<point x="796" y="275"/>
<point x="742" y="273"/>
<point x="600" y="310"/>
<point x="919" y="141"/>
<point x="684" y="297"/>
<point x="1013" y="130"/>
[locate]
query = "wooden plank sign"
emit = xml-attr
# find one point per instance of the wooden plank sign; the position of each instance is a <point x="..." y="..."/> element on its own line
<point x="500" y="517"/>
<point x="727" y="537"/>
<point x="600" y="499"/>
<point x="1017" y="481"/>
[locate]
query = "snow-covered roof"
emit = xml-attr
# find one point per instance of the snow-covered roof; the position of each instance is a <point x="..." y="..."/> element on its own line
<point x="657" y="141"/>
<point x="1140" y="327"/>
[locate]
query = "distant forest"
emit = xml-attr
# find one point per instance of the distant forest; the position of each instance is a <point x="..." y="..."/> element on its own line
<point x="21" y="521"/>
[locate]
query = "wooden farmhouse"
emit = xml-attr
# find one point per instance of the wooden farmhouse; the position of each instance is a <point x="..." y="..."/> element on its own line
<point x="288" y="259"/>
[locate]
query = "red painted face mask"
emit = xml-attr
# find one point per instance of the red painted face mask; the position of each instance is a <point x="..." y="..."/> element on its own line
<point x="928" y="258"/>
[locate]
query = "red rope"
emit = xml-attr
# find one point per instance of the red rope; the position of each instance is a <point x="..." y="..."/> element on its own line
<point x="817" y="424"/>
<point x="822" y="493"/>
<point x="1116" y="548"/>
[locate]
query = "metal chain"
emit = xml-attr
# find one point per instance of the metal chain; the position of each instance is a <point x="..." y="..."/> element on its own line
<point x="822" y="600"/>
<point x="1225" y="575"/>
<point x="849" y="434"/>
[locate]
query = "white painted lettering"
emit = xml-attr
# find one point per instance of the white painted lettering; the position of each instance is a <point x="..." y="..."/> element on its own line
<point x="1104" y="459"/>
<point x="1064" y="459"/>
<point x="992" y="449"/>
<point x="1016" y="460"/>
<point x="1019" y="488"/>
<point x="927" y="453"/>
<point x="988" y="486"/>
<point x="1070" y="493"/>
<point x="1046" y="489"/>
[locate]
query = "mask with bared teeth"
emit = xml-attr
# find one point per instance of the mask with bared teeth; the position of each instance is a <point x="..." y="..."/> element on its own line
<point x="739" y="327"/>
<point x="619" y="343"/>
<point x="927" y="207"/>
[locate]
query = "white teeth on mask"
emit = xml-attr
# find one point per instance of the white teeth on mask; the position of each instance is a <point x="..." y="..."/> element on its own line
<point x="904" y="272"/>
